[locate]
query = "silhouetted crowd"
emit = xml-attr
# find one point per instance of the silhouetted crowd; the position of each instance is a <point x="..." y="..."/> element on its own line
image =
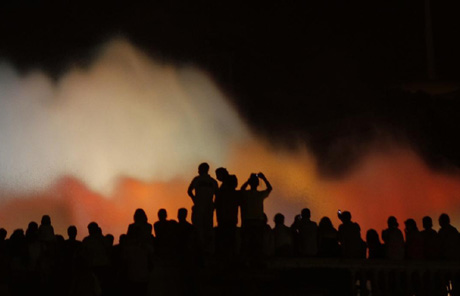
<point x="40" y="262"/>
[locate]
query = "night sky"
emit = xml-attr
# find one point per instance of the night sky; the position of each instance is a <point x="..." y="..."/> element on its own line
<point x="342" y="77"/>
<point x="325" y="71"/>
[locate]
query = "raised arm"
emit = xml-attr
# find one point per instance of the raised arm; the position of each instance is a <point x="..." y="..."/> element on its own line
<point x="267" y="184"/>
<point x="245" y="185"/>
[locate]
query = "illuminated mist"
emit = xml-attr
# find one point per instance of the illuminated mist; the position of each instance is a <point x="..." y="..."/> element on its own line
<point x="129" y="132"/>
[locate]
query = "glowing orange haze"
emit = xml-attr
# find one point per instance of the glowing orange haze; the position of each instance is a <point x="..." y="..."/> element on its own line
<point x="128" y="115"/>
<point x="393" y="182"/>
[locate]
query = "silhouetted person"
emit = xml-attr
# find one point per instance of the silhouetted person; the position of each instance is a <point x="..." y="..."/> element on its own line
<point x="46" y="230"/>
<point x="226" y="205"/>
<point x="307" y="231"/>
<point x="95" y="249"/>
<point x="268" y="247"/>
<point x="18" y="253"/>
<point x="136" y="256"/>
<point x="165" y="234"/>
<point x="375" y="247"/>
<point x="352" y="246"/>
<point x="34" y="246"/>
<point x="71" y="248"/>
<point x="4" y="264"/>
<point x="84" y="282"/>
<point x="328" y="241"/>
<point x="430" y="240"/>
<point x="252" y="213"/>
<point x="448" y="239"/>
<point x="394" y="240"/>
<point x="71" y="245"/>
<point x="140" y="230"/>
<point x="202" y="190"/>
<point x="3" y="234"/>
<point x="187" y="238"/>
<point x="295" y="234"/>
<point x="414" y="241"/>
<point x="282" y="237"/>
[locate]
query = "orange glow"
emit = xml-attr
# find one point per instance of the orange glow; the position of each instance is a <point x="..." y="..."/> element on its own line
<point x="394" y="182"/>
<point x="128" y="132"/>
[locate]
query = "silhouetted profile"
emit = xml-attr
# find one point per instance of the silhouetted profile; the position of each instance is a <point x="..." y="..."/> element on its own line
<point x="95" y="250"/>
<point x="46" y="230"/>
<point x="328" y="241"/>
<point x="295" y="234"/>
<point x="252" y="213"/>
<point x="165" y="234"/>
<point x="187" y="238"/>
<point x="202" y="190"/>
<point x="140" y="230"/>
<point x="282" y="237"/>
<point x="71" y="248"/>
<point x="226" y="205"/>
<point x="449" y="240"/>
<point x="268" y="247"/>
<point x="375" y="247"/>
<point x="84" y="282"/>
<point x="4" y="263"/>
<point x="430" y="240"/>
<point x="35" y="247"/>
<point x="352" y="246"/>
<point x="226" y="200"/>
<point x="394" y="240"/>
<point x="307" y="232"/>
<point x="414" y="242"/>
<point x="137" y="254"/>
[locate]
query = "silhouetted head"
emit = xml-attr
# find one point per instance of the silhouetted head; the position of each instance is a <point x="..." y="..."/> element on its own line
<point x="392" y="222"/>
<point x="140" y="216"/>
<point x="253" y="181"/>
<point x="372" y="237"/>
<point x="345" y="217"/>
<point x="3" y="234"/>
<point x="297" y="218"/>
<point x="32" y="231"/>
<point x="162" y="215"/>
<point x="306" y="214"/>
<point x="18" y="234"/>
<point x="411" y="225"/>
<point x="325" y="223"/>
<point x="279" y="219"/>
<point x="221" y="174"/>
<point x="427" y="222"/>
<point x="72" y="232"/>
<point x="232" y="181"/>
<point x="444" y="220"/>
<point x="93" y="228"/>
<point x="109" y="239"/>
<point x="123" y="239"/>
<point x="182" y="214"/>
<point x="32" y="227"/>
<point x="46" y="220"/>
<point x="203" y="169"/>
